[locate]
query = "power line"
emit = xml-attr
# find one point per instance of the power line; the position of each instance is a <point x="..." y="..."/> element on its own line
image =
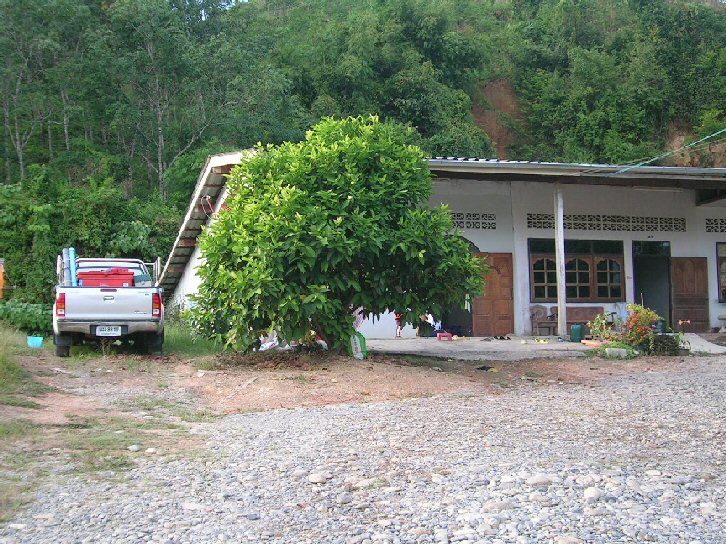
<point x="664" y="155"/>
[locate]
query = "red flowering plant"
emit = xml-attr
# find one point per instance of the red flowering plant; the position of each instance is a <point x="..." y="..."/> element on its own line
<point x="638" y="328"/>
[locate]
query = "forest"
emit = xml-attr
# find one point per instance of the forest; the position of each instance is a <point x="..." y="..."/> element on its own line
<point x="110" y="107"/>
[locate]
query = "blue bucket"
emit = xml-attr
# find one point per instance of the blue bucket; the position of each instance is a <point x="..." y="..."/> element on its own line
<point x="35" y="342"/>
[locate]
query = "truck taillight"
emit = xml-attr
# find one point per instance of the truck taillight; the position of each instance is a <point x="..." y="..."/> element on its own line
<point x="156" y="305"/>
<point x="60" y="305"/>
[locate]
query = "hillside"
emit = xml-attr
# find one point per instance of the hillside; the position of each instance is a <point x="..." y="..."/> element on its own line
<point x="110" y="107"/>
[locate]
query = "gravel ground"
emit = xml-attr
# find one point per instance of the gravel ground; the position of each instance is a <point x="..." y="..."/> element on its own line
<point x="627" y="459"/>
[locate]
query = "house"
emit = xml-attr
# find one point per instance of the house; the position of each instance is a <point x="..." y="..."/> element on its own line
<point x="653" y="235"/>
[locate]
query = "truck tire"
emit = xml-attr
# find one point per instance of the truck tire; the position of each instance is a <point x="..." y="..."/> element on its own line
<point x="154" y="343"/>
<point x="62" y="344"/>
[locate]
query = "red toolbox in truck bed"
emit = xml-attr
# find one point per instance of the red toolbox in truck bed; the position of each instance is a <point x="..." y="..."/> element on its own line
<point x="116" y="277"/>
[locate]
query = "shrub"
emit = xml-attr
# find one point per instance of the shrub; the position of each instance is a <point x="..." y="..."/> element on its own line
<point x="638" y="328"/>
<point x="601" y="327"/>
<point x="600" y="352"/>
<point x="33" y="319"/>
<point x="316" y="229"/>
<point x="664" y="344"/>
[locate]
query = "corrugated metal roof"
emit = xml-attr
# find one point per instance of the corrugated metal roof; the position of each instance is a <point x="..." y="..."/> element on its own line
<point x="617" y="174"/>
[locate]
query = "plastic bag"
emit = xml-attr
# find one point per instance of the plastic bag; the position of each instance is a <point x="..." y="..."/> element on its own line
<point x="357" y="346"/>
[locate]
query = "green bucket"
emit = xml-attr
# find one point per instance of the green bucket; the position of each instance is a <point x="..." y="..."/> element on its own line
<point x="577" y="332"/>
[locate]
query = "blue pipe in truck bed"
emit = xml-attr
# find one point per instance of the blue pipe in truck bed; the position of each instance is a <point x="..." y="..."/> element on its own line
<point x="72" y="258"/>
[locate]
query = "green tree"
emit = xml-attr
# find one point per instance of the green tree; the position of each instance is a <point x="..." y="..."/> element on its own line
<point x="318" y="228"/>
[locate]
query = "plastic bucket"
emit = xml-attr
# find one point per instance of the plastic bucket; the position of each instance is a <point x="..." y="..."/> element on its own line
<point x="577" y="333"/>
<point x="35" y="342"/>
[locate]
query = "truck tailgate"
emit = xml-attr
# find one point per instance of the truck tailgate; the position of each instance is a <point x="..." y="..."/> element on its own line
<point x="108" y="304"/>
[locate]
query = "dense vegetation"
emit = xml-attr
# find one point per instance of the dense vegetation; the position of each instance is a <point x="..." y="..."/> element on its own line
<point x="109" y="107"/>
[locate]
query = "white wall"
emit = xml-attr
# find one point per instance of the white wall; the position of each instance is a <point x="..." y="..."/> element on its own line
<point x="385" y="327"/>
<point x="594" y="199"/>
<point x="189" y="281"/>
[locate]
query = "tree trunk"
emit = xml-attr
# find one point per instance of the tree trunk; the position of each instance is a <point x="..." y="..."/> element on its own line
<point x="6" y="137"/>
<point x="19" y="149"/>
<point x="160" y="151"/>
<point x="130" y="177"/>
<point x="66" y="121"/>
<point x="50" y="140"/>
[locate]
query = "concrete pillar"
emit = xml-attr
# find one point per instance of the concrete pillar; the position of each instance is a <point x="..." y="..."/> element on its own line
<point x="560" y="261"/>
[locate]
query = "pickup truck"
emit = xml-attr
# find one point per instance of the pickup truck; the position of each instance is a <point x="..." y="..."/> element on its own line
<point x="117" y="301"/>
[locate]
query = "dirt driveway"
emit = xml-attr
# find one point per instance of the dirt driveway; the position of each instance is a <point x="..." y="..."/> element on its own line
<point x="228" y="384"/>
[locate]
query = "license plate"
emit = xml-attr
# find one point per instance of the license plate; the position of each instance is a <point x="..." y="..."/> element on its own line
<point x="106" y="330"/>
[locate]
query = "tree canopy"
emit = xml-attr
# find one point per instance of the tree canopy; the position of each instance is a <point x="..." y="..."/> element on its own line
<point x="317" y="229"/>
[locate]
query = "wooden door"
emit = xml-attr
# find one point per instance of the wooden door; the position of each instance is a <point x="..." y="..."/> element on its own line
<point x="689" y="288"/>
<point x="493" y="312"/>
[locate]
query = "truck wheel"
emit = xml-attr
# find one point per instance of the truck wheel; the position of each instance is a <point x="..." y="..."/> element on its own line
<point x="155" y="343"/>
<point x="62" y="344"/>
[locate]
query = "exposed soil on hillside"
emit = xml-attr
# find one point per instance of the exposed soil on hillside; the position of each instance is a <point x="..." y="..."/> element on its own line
<point x="706" y="155"/>
<point x="501" y="96"/>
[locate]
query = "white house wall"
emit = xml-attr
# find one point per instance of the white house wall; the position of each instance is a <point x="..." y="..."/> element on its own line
<point x="595" y="199"/>
<point x="510" y="203"/>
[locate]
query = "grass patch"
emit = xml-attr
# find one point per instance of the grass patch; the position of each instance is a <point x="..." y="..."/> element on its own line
<point x="207" y="363"/>
<point x="12" y="375"/>
<point x="102" y="445"/>
<point x="148" y="404"/>
<point x="135" y="364"/>
<point x="205" y="415"/>
<point x="11" y="400"/>
<point x="13" y="497"/>
<point x="15" y="342"/>
<point x="180" y="340"/>
<point x="420" y="361"/>
<point x="15" y="428"/>
<point x="14" y="379"/>
<point x="375" y="483"/>
<point x="82" y="353"/>
<point x="86" y="445"/>
<point x="299" y="378"/>
<point x="169" y="408"/>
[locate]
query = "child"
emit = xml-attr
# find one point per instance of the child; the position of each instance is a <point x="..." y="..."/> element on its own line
<point x="399" y="325"/>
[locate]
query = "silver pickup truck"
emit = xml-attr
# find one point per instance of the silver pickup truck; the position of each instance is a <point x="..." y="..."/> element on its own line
<point x="118" y="306"/>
